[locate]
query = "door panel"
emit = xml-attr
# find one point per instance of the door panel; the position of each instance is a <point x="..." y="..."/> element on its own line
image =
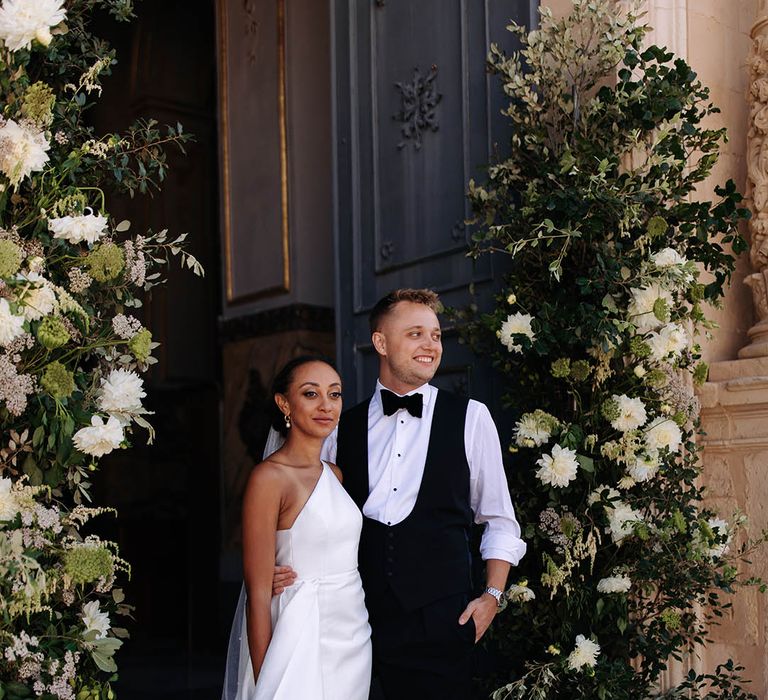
<point x="415" y="119"/>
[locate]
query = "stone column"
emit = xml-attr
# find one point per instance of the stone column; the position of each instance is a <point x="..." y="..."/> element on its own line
<point x="757" y="183"/>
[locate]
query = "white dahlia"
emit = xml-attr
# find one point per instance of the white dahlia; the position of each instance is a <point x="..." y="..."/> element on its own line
<point x="38" y="297"/>
<point x="667" y="257"/>
<point x="518" y="593"/>
<point x="121" y="394"/>
<point x="641" y="307"/>
<point x="11" y="325"/>
<point x="9" y="506"/>
<point x="614" y="584"/>
<point x="585" y="654"/>
<point x="534" y="429"/>
<point x="621" y="520"/>
<point x="23" y="150"/>
<point x="21" y="21"/>
<point x="99" y="438"/>
<point x="95" y="620"/>
<point x="516" y="324"/>
<point x="721" y="531"/>
<point x="645" y="467"/>
<point x="631" y="413"/>
<point x="559" y="468"/>
<point x="663" y="433"/>
<point x="76" y="229"/>
<point x="669" y="340"/>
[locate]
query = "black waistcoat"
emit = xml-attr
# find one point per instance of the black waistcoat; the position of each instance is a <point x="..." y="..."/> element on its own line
<point x="426" y="556"/>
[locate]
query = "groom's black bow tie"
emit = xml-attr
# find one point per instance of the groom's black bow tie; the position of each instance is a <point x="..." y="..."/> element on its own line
<point x="413" y="403"/>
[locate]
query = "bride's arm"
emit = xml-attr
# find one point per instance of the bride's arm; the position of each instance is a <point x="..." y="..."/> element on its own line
<point x="261" y="509"/>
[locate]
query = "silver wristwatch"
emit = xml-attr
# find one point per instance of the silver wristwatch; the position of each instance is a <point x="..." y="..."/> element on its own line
<point x="496" y="593"/>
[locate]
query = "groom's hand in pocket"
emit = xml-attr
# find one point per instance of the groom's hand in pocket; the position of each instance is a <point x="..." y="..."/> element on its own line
<point x="284" y="577"/>
<point x="482" y="610"/>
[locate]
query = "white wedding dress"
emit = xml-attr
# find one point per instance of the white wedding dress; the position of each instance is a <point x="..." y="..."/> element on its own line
<point x="320" y="647"/>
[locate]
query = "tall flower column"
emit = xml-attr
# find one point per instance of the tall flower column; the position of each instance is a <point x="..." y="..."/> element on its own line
<point x="757" y="183"/>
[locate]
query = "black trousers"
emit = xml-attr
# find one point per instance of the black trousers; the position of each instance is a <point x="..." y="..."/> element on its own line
<point x="424" y="654"/>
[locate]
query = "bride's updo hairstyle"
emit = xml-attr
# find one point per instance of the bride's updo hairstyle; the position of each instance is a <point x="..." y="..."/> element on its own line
<point x="282" y="383"/>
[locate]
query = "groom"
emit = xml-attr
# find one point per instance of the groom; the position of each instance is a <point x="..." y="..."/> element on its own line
<point x="423" y="465"/>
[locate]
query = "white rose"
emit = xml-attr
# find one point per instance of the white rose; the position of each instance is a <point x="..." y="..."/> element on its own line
<point x="614" y="584"/>
<point x="23" y="150"/>
<point x="585" y="653"/>
<point x="559" y="468"/>
<point x="95" y="620"/>
<point x="663" y="433"/>
<point x="516" y="324"/>
<point x="640" y="308"/>
<point x="76" y="229"/>
<point x="631" y="413"/>
<point x="11" y="325"/>
<point x="9" y="506"/>
<point x="99" y="438"/>
<point x="667" y="258"/>
<point x="21" y="21"/>
<point x="121" y="393"/>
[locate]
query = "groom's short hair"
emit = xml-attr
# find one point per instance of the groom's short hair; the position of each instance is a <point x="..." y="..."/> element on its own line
<point x="418" y="296"/>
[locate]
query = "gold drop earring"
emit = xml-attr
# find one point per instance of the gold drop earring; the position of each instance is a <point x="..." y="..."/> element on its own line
<point x="288" y="420"/>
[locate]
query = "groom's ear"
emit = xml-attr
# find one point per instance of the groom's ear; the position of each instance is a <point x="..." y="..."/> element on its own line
<point x="379" y="342"/>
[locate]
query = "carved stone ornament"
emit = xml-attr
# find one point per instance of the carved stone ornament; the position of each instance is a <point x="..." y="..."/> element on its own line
<point x="419" y="100"/>
<point x="757" y="183"/>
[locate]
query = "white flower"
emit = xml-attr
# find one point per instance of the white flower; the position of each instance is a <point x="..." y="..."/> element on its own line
<point x="621" y="520"/>
<point x="585" y="653"/>
<point x="9" y="506"/>
<point x="534" y="428"/>
<point x="602" y="491"/>
<point x="614" y="584"/>
<point x="626" y="482"/>
<point x="515" y="324"/>
<point x="23" y="150"/>
<point x="667" y="258"/>
<point x="663" y="433"/>
<point x="560" y="468"/>
<point x="640" y="371"/>
<point x="121" y="394"/>
<point x="38" y="296"/>
<point x="95" y="620"/>
<point x="99" y="438"/>
<point x="631" y="413"/>
<point x="520" y="594"/>
<point x="24" y="20"/>
<point x="76" y="229"/>
<point x="671" y="339"/>
<point x="644" y="467"/>
<point x="721" y="530"/>
<point x="641" y="307"/>
<point x="11" y="325"/>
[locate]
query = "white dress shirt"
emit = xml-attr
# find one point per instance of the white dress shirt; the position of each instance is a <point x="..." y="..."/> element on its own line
<point x="397" y="453"/>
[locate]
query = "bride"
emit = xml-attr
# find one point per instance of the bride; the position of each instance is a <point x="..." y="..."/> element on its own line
<point x="313" y="640"/>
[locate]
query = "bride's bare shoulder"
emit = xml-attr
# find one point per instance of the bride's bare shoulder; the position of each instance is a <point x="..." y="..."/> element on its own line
<point x="267" y="474"/>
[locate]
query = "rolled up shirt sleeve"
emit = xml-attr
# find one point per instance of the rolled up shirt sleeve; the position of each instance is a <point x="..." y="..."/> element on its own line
<point x="488" y="490"/>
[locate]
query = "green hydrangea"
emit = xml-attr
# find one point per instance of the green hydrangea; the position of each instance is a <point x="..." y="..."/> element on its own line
<point x="106" y="262"/>
<point x="610" y="409"/>
<point x="700" y="373"/>
<point x="88" y="563"/>
<point x="561" y="368"/>
<point x="661" y="310"/>
<point x="57" y="380"/>
<point x="681" y="418"/>
<point x="580" y="370"/>
<point x="657" y="226"/>
<point x="639" y="348"/>
<point x="671" y="619"/>
<point x="656" y="378"/>
<point x="52" y="333"/>
<point x="10" y="258"/>
<point x="38" y="104"/>
<point x="141" y="345"/>
<point x="696" y="292"/>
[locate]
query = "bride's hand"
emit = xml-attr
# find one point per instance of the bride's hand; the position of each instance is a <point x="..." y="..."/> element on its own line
<point x="284" y="577"/>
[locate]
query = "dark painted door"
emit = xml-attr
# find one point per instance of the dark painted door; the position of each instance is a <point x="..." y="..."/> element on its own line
<point x="416" y="116"/>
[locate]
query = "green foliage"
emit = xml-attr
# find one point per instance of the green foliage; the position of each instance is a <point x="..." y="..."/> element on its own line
<point x="598" y="207"/>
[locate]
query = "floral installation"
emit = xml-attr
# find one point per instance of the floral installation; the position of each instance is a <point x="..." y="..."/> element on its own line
<point x="73" y="346"/>
<point x="597" y="331"/>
